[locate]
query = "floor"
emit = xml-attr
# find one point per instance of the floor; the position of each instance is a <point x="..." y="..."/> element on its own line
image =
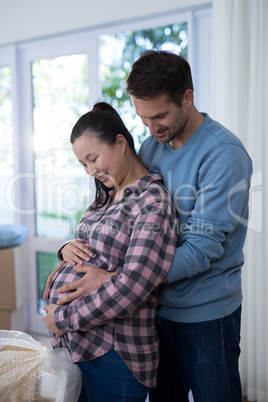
<point x="41" y="338"/>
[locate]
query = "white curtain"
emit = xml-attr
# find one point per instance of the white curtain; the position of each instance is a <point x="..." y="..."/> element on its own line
<point x="240" y="102"/>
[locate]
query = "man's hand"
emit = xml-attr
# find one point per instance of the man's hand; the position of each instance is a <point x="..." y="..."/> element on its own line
<point x="49" y="320"/>
<point x="76" y="252"/>
<point x="49" y="279"/>
<point x="92" y="280"/>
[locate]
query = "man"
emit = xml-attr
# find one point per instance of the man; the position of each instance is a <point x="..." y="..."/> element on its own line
<point x="207" y="170"/>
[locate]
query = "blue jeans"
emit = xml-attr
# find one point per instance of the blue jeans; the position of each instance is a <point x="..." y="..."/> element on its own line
<point x="202" y="357"/>
<point x="108" y="378"/>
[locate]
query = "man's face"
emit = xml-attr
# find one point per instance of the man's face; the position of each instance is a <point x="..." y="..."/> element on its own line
<point x="162" y="116"/>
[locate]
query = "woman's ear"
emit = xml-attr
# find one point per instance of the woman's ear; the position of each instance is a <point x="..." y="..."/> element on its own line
<point x="121" y="142"/>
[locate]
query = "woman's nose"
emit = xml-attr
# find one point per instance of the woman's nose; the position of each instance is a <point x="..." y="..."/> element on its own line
<point x="91" y="171"/>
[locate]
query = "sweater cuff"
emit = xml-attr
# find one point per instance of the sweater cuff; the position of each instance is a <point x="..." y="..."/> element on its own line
<point x="178" y="270"/>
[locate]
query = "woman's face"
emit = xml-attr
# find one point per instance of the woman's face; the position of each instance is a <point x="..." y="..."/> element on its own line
<point x="105" y="162"/>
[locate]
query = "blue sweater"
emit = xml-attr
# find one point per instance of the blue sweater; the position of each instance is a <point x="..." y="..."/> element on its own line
<point x="209" y="179"/>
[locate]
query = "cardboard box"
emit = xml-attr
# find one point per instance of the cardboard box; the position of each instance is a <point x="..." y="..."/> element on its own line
<point x="20" y="375"/>
<point x="13" y="277"/>
<point x="12" y="320"/>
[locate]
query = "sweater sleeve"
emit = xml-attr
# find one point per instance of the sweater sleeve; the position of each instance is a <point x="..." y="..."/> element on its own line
<point x="221" y="204"/>
<point x="148" y="259"/>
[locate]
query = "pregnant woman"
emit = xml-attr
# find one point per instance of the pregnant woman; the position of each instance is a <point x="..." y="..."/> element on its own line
<point x="130" y="227"/>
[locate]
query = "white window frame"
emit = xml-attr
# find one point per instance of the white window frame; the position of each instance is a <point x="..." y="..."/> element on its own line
<point x="8" y="57"/>
<point x="28" y="53"/>
<point x="20" y="58"/>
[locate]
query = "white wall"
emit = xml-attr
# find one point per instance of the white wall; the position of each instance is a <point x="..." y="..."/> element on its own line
<point x="22" y="20"/>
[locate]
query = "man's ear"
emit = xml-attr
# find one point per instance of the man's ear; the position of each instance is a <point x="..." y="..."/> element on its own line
<point x="121" y="142"/>
<point x="188" y="98"/>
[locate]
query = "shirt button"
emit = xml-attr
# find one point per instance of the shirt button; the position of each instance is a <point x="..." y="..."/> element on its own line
<point x="127" y="191"/>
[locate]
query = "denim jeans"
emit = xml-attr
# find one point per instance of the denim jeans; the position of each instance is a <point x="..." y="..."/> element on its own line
<point x="202" y="357"/>
<point x="108" y="378"/>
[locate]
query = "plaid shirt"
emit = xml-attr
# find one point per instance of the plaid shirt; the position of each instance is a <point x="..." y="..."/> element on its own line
<point x="135" y="236"/>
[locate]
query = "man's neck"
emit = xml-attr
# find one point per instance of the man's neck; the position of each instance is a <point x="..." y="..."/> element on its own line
<point x="194" y="121"/>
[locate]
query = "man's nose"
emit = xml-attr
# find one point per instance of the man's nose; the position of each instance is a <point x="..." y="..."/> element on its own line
<point x="152" y="127"/>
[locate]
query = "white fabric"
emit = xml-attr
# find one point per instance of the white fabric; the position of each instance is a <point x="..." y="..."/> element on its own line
<point x="240" y="102"/>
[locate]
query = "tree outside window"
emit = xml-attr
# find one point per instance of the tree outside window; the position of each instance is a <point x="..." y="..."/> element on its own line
<point x="117" y="54"/>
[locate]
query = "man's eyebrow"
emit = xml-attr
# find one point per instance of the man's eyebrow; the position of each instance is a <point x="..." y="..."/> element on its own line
<point x="159" y="114"/>
<point x="155" y="116"/>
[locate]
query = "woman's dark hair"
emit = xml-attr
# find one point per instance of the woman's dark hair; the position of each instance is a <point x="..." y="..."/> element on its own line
<point x="159" y="72"/>
<point x="105" y="124"/>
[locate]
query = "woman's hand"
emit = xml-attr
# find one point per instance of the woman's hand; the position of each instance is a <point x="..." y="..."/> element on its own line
<point x="70" y="253"/>
<point x="76" y="252"/>
<point x="94" y="277"/>
<point x="49" y="279"/>
<point x="49" y="320"/>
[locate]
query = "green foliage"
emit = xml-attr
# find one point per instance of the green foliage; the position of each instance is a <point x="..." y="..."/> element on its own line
<point x="75" y="217"/>
<point x="127" y="48"/>
<point x="46" y="262"/>
<point x="133" y="44"/>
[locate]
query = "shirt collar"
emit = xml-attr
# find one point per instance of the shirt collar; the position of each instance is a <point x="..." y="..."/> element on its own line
<point x="142" y="183"/>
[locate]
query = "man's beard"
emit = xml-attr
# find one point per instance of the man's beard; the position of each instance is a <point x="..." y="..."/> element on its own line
<point x="175" y="133"/>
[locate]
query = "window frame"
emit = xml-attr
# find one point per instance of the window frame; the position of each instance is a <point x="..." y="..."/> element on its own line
<point x="8" y="57"/>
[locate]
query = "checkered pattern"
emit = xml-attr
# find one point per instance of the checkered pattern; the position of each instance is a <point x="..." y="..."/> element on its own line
<point x="136" y="237"/>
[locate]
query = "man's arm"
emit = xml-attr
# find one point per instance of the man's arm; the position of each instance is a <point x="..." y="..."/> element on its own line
<point x="221" y="205"/>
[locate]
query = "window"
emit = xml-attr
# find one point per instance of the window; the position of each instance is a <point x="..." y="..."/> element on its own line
<point x="44" y="262"/>
<point x="6" y="140"/>
<point x="60" y="97"/>
<point x="117" y="54"/>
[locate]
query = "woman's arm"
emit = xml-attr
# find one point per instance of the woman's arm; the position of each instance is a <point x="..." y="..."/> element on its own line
<point x="71" y="252"/>
<point x="148" y="259"/>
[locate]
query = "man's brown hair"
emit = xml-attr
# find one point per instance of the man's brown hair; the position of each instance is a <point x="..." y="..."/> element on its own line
<point x="159" y="72"/>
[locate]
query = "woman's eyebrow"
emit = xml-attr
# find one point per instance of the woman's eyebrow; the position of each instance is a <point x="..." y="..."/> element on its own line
<point x="89" y="154"/>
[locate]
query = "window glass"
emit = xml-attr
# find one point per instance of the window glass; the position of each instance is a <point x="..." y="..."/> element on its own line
<point x="6" y="141"/>
<point x="46" y="262"/>
<point x="60" y="93"/>
<point x="117" y="54"/>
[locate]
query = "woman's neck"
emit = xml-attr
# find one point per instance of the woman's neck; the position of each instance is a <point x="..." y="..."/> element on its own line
<point x="136" y="171"/>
